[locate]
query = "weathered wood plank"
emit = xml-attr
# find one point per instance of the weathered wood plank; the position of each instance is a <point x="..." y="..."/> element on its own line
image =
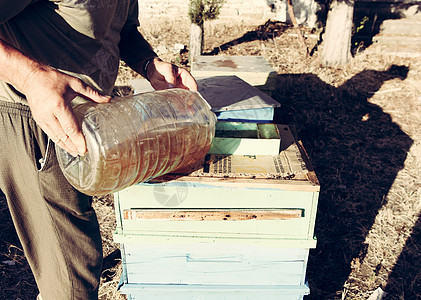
<point x="216" y="215"/>
<point x="259" y="183"/>
<point x="254" y="70"/>
<point x="157" y="238"/>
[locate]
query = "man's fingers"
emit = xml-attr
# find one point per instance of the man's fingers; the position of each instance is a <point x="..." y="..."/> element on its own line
<point x="62" y="128"/>
<point x="186" y="80"/>
<point x="67" y="131"/>
<point x="168" y="73"/>
<point x="85" y="90"/>
<point x="63" y="143"/>
<point x="57" y="135"/>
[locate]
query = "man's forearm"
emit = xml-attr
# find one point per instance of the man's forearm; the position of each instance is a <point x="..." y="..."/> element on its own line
<point x="15" y="67"/>
<point x="135" y="50"/>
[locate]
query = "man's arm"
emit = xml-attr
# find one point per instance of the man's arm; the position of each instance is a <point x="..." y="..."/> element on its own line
<point x="135" y="50"/>
<point x="49" y="93"/>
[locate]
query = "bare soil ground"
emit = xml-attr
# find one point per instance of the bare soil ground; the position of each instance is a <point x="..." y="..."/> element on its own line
<point x="360" y="126"/>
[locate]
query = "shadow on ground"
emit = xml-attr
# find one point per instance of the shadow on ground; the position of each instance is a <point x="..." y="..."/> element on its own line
<point x="268" y="30"/>
<point x="357" y="152"/>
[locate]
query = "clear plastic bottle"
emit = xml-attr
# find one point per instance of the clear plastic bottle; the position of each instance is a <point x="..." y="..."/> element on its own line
<point x="136" y="138"/>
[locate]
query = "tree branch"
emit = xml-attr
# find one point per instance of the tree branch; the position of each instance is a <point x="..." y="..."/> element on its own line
<point x="296" y="27"/>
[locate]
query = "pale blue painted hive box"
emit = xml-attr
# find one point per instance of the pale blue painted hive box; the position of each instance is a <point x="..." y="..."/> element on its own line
<point x="231" y="227"/>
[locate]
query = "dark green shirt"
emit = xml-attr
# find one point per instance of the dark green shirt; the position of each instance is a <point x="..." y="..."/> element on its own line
<point x="78" y="37"/>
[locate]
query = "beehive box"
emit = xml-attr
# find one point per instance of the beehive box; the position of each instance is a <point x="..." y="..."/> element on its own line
<point x="281" y="188"/>
<point x="255" y="70"/>
<point x="231" y="98"/>
<point x="230" y="227"/>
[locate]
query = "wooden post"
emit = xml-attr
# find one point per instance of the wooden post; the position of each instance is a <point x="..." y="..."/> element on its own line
<point x="196" y="41"/>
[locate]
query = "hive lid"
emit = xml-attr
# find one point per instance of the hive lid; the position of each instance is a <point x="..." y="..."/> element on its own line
<point x="233" y="93"/>
<point x="223" y="93"/>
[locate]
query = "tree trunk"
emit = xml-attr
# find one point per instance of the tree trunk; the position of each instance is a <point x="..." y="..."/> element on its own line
<point x="336" y="49"/>
<point x="196" y="41"/>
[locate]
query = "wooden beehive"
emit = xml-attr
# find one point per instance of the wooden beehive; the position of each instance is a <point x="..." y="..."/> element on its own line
<point x="230" y="227"/>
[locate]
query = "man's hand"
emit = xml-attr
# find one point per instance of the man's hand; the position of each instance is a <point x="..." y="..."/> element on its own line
<point x="163" y="75"/>
<point x="49" y="93"/>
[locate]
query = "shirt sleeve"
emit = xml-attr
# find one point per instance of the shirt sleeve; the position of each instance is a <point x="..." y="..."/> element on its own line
<point x="9" y="9"/>
<point x="133" y="14"/>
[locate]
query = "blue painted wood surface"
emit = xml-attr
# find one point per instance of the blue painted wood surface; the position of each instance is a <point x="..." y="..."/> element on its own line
<point x="212" y="292"/>
<point x="214" y="264"/>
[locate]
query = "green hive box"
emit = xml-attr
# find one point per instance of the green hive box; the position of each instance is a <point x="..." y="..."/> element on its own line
<point x="239" y="138"/>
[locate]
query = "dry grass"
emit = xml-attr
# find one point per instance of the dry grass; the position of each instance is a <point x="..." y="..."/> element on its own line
<point x="360" y="125"/>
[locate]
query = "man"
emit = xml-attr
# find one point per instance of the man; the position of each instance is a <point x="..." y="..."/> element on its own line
<point x="50" y="52"/>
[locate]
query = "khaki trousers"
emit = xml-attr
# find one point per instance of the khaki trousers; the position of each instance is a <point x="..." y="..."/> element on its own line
<point x="56" y="224"/>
